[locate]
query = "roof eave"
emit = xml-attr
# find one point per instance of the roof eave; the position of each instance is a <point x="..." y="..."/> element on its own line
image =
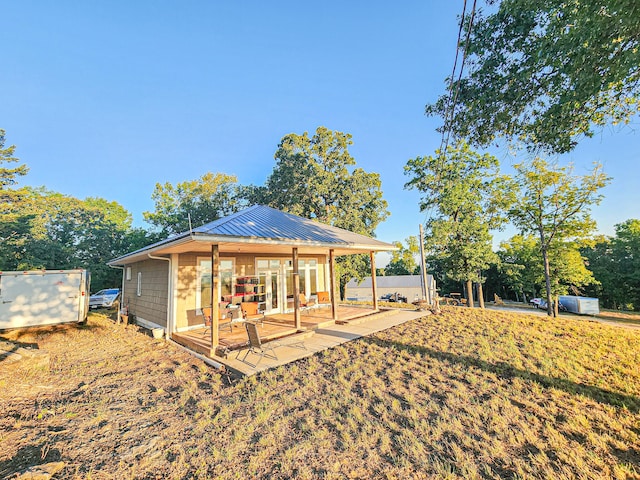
<point x="143" y="253"/>
<point x="382" y="247"/>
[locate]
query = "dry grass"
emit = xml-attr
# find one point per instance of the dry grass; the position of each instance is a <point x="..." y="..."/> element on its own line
<point x="464" y="394"/>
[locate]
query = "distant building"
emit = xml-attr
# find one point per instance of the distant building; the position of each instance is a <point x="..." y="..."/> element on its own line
<point x="408" y="286"/>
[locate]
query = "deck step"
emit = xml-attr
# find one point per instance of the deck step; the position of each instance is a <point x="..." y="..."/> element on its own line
<point x="368" y="318"/>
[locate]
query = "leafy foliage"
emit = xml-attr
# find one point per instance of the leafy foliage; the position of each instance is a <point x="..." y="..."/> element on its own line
<point x="205" y="199"/>
<point x="522" y="267"/>
<point x="615" y="263"/>
<point x="65" y="232"/>
<point x="545" y="72"/>
<point x="467" y="196"/>
<point x="314" y="178"/>
<point x="403" y="261"/>
<point x="554" y="205"/>
<point x="12" y="224"/>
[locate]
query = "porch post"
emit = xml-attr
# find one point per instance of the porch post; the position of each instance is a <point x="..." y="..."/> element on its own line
<point x="296" y="289"/>
<point x="374" y="286"/>
<point x="332" y="280"/>
<point x="215" y="260"/>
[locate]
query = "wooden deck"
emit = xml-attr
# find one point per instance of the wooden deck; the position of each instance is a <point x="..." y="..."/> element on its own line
<point x="274" y="326"/>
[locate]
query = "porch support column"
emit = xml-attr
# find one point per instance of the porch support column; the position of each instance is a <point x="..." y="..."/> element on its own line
<point x="296" y="289"/>
<point x="374" y="286"/>
<point x="215" y="267"/>
<point x="332" y="280"/>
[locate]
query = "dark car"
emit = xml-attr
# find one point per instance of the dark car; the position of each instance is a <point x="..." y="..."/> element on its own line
<point x="393" y="297"/>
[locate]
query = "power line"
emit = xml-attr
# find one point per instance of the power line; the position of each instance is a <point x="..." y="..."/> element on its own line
<point x="451" y="102"/>
<point x="453" y="74"/>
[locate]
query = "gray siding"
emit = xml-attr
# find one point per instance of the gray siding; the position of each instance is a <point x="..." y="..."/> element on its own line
<point x="151" y="305"/>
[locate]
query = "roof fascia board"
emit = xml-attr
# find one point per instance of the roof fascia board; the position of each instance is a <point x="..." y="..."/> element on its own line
<point x="292" y="243"/>
<point x="157" y="247"/>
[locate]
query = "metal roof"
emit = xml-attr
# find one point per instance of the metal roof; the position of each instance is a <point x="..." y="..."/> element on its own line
<point x="268" y="223"/>
<point x="262" y="227"/>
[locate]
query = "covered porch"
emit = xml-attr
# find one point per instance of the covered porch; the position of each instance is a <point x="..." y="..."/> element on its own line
<point x="273" y="327"/>
<point x="259" y="261"/>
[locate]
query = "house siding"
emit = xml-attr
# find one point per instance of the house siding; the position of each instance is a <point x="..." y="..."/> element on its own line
<point x="151" y="305"/>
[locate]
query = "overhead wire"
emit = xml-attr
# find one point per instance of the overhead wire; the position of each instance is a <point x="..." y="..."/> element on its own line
<point x="454" y="86"/>
<point x="453" y="74"/>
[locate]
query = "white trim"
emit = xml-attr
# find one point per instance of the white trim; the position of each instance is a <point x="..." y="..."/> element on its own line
<point x="200" y="258"/>
<point x="190" y="327"/>
<point x="173" y="293"/>
<point x="139" y="286"/>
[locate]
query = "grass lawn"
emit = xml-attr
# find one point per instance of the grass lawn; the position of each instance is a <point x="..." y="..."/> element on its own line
<point x="465" y="394"/>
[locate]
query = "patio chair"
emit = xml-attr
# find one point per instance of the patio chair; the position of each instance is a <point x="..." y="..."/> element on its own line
<point x="225" y="318"/>
<point x="250" y="312"/>
<point x="256" y="346"/>
<point x="262" y="349"/>
<point x="323" y="299"/>
<point x="304" y="303"/>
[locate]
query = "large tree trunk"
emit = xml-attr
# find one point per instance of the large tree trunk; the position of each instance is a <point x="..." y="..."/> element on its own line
<point x="480" y="295"/>
<point x="470" y="294"/>
<point x="547" y="280"/>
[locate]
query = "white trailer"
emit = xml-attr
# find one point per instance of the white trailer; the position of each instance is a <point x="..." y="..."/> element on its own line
<point x="43" y="297"/>
<point x="581" y="305"/>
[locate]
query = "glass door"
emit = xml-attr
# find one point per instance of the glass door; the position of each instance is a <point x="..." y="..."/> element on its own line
<point x="269" y="276"/>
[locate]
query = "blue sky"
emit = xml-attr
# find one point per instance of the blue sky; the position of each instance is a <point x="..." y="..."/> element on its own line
<point x="108" y="98"/>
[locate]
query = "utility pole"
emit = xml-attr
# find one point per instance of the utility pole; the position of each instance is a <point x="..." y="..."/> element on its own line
<point x="426" y="294"/>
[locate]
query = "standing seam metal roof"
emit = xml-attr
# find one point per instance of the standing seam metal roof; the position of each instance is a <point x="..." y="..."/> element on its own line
<point x="261" y="223"/>
<point x="265" y="222"/>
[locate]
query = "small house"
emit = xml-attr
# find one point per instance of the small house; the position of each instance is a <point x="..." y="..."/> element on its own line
<point x="273" y="263"/>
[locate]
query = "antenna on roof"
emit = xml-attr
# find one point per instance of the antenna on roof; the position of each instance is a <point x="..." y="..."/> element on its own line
<point x="190" y="229"/>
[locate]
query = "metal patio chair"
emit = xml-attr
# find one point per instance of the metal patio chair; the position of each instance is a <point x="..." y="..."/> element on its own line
<point x="263" y="349"/>
<point x="256" y="346"/>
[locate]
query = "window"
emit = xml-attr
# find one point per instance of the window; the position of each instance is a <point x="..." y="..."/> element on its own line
<point x="308" y="276"/>
<point x="139" y="290"/>
<point x="128" y="270"/>
<point x="203" y="280"/>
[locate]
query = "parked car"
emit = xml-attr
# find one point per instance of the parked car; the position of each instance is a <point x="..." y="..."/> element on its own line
<point x="106" y="298"/>
<point x="393" y="297"/>
<point x="535" y="302"/>
<point x="454" y="299"/>
<point x="541" y="303"/>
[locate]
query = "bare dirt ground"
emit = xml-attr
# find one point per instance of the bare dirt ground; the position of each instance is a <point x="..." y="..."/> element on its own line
<point x="111" y="397"/>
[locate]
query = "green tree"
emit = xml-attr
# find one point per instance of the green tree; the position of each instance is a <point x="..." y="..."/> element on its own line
<point x="545" y="72"/>
<point x="66" y="232"/>
<point x="206" y="199"/>
<point x="403" y="261"/>
<point x="314" y="177"/>
<point x="615" y="263"/>
<point x="554" y="205"/>
<point x="468" y="196"/>
<point x="520" y="265"/>
<point x="626" y="251"/>
<point x="14" y="221"/>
